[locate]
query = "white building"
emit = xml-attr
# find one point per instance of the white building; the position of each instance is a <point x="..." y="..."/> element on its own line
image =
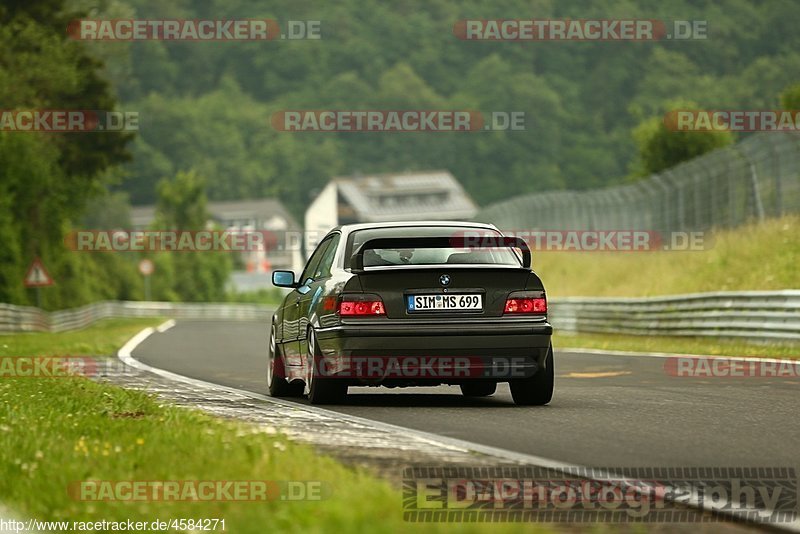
<point x="264" y="215"/>
<point x="428" y="195"/>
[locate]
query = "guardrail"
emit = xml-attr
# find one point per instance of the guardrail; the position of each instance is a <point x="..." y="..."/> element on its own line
<point x="760" y="315"/>
<point x="28" y="319"/>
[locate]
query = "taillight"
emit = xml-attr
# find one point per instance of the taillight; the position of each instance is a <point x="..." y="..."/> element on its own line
<point x="526" y="305"/>
<point x="348" y="307"/>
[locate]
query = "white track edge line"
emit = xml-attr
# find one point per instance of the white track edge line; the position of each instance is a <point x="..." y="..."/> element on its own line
<point x="163" y="327"/>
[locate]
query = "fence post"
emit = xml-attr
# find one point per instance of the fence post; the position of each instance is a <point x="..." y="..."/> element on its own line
<point x="756" y="193"/>
<point x="754" y="197"/>
<point x="665" y="218"/>
<point x="731" y="197"/>
<point x="776" y="165"/>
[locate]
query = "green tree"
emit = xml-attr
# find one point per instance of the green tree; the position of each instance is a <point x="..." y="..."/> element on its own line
<point x="790" y="97"/>
<point x="192" y="276"/>
<point x="46" y="179"/>
<point x="108" y="211"/>
<point x="661" y="148"/>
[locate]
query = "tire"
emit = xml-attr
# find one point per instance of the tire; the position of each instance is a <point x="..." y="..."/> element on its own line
<point x="536" y="390"/>
<point x="277" y="384"/>
<point x="322" y="390"/>
<point x="478" y="388"/>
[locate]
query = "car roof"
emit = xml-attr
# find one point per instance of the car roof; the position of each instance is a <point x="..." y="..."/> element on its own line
<point x="347" y="228"/>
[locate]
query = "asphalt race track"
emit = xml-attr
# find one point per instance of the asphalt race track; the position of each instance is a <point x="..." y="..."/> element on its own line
<point x="607" y="410"/>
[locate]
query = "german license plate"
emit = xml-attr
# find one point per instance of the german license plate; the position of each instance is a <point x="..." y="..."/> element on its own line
<point x="441" y="302"/>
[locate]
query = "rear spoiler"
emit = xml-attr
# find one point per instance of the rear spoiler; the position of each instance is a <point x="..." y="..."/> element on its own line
<point x="477" y="242"/>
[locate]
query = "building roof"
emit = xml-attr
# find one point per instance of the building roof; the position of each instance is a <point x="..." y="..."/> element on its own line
<point x="266" y="210"/>
<point x="406" y="196"/>
<point x="142" y="216"/>
<point x="262" y="209"/>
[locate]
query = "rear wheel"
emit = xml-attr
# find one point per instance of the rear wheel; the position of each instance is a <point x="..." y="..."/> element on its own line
<point x="478" y="388"/>
<point x="276" y="376"/>
<point x="536" y="390"/>
<point x="322" y="389"/>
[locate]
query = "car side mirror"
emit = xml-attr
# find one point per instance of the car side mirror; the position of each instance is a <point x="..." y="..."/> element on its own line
<point x="284" y="279"/>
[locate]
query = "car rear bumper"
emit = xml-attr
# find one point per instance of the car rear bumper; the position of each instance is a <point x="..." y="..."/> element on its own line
<point x="403" y="353"/>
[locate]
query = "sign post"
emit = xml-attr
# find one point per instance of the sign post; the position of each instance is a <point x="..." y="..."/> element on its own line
<point x="146" y="267"/>
<point x="38" y="277"/>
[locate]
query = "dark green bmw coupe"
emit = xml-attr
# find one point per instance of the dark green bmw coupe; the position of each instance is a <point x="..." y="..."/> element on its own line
<point x="411" y="304"/>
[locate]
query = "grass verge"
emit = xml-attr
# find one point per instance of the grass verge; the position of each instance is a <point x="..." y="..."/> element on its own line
<point x="101" y="338"/>
<point x="761" y="256"/>
<point x="272" y="296"/>
<point x="56" y="431"/>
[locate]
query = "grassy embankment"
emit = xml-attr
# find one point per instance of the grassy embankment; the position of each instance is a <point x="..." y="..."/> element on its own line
<point x="762" y="256"/>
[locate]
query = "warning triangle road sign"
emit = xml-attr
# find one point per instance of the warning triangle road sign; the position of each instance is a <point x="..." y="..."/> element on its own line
<point x="37" y="275"/>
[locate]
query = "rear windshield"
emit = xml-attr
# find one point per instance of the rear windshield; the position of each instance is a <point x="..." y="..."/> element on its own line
<point x="428" y="256"/>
